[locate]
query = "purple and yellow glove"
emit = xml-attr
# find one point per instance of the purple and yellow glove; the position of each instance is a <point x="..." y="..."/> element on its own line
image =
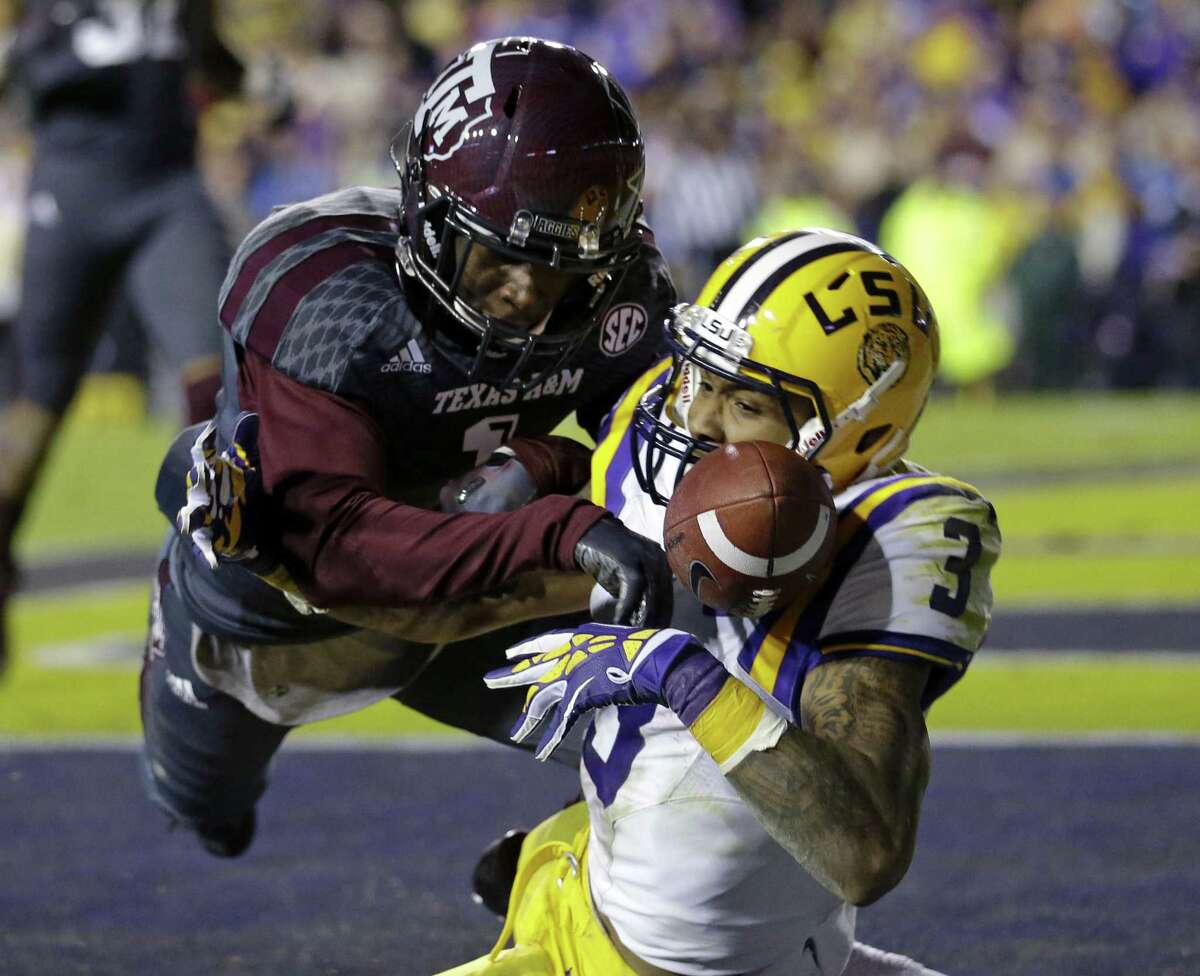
<point x="222" y="487"/>
<point x="569" y="673"/>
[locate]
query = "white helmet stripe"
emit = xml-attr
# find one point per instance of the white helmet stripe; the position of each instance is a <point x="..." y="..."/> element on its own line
<point x="769" y="262"/>
<point x="741" y="561"/>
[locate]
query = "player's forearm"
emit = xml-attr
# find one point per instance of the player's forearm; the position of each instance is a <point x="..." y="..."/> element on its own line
<point x="833" y="810"/>
<point x="841" y="794"/>
<point x="527" y="597"/>
<point x="557" y="465"/>
<point x="357" y="548"/>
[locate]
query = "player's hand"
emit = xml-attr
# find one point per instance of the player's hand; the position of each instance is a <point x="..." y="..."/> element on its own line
<point x="631" y="568"/>
<point x="501" y="484"/>
<point x="569" y="673"/>
<point x="222" y="487"/>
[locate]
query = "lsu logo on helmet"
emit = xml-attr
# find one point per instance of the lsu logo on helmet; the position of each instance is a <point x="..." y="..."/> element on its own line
<point x="882" y="345"/>
<point x="820" y="320"/>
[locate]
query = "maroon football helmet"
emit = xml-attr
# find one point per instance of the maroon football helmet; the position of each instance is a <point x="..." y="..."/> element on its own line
<point x="529" y="148"/>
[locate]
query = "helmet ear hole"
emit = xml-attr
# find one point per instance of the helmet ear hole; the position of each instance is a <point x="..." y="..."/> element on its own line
<point x="871" y="438"/>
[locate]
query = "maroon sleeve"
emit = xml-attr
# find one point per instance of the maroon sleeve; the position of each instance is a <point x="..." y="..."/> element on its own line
<point x="557" y="465"/>
<point x="346" y="543"/>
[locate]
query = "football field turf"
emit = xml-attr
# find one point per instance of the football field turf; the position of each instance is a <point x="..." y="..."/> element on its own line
<point x="1057" y="835"/>
<point x="1031" y="861"/>
<point x="75" y="675"/>
<point x="1095" y="495"/>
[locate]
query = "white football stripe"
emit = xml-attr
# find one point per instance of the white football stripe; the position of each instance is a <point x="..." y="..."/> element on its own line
<point x="741" y="561"/>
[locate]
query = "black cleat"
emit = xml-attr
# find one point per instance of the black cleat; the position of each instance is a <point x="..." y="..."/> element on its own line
<point x="227" y="838"/>
<point x="496" y="871"/>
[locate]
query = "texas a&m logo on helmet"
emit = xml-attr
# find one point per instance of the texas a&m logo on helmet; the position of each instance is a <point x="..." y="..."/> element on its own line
<point x="459" y="99"/>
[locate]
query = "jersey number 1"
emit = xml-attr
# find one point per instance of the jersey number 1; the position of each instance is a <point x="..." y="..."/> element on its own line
<point x="483" y="438"/>
<point x="941" y="599"/>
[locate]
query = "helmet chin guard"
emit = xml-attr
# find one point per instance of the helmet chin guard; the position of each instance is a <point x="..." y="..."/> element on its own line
<point x="530" y="149"/>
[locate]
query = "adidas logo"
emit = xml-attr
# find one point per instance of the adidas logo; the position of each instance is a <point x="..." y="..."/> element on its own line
<point x="407" y="360"/>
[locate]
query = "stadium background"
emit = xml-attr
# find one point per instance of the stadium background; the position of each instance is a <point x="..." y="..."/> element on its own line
<point x="1036" y="164"/>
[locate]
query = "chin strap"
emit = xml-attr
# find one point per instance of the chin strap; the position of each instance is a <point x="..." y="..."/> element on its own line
<point x="885" y="455"/>
<point x="865" y="404"/>
<point x="685" y="396"/>
<point x="812" y="436"/>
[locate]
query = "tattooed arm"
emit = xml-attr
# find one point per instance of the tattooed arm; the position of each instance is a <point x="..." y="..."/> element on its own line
<point x="843" y="793"/>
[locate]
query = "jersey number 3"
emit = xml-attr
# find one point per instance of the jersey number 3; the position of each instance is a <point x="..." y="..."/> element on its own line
<point x="128" y="30"/>
<point x="941" y="599"/>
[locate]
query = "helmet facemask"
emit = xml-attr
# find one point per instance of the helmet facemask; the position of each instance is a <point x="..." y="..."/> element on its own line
<point x="701" y="341"/>
<point x="811" y="313"/>
<point x="594" y="241"/>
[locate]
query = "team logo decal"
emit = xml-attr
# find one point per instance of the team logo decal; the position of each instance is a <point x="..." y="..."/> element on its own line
<point x="881" y="346"/>
<point x="623" y="326"/>
<point x="459" y="99"/>
<point x="409" y="359"/>
<point x="591" y="206"/>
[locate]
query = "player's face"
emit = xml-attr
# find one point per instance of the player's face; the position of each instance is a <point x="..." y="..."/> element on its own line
<point x="522" y="294"/>
<point x="725" y="412"/>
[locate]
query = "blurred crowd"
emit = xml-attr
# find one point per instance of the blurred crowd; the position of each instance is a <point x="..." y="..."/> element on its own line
<point x="1035" y="164"/>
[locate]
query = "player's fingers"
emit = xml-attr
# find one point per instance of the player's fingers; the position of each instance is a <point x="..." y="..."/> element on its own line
<point x="501" y="678"/>
<point x="658" y="603"/>
<point x="526" y="671"/>
<point x="565" y="716"/>
<point x="554" y="737"/>
<point x="536" y="710"/>
<point x="629" y="597"/>
<point x="542" y="644"/>
<point x="205" y="442"/>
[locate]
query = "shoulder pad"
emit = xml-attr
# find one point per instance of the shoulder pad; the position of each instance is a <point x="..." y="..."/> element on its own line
<point x="912" y="570"/>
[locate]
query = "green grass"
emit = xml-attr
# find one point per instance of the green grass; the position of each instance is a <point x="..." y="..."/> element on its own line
<point x="1057" y="432"/>
<point x="1025" y="694"/>
<point x="1065" y="695"/>
<point x="98" y="491"/>
<point x="38" y="700"/>
<point x="1130" y="541"/>
<point x="1127" y="537"/>
<point x="35" y="700"/>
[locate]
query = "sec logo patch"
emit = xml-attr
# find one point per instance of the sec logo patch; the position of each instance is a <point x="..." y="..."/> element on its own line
<point x="623" y="326"/>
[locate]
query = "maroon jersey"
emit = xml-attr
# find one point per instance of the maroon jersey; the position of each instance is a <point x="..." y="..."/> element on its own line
<point x="363" y="417"/>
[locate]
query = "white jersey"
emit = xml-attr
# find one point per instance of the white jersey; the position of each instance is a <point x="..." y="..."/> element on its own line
<point x="679" y="865"/>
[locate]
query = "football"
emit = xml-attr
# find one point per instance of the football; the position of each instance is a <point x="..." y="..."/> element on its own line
<point x="750" y="528"/>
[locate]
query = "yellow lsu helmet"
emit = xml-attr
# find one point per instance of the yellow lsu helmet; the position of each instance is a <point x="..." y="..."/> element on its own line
<point x="816" y="314"/>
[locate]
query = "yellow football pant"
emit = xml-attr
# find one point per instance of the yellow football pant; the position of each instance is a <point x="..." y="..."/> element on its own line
<point x="550" y="918"/>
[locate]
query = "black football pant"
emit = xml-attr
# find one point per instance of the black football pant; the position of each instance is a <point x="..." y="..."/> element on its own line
<point x="100" y="244"/>
<point x="206" y="757"/>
